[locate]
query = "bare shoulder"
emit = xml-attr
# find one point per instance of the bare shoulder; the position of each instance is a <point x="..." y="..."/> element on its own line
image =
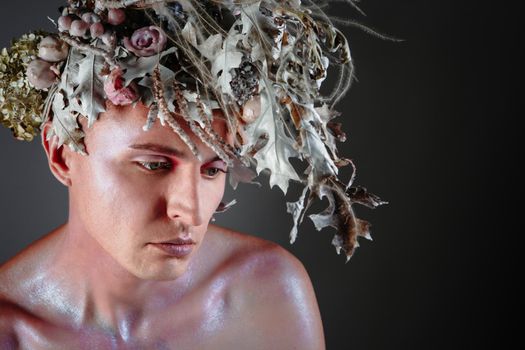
<point x="24" y="266"/>
<point x="257" y="257"/>
<point x="14" y="277"/>
<point x="9" y="314"/>
<point x="273" y="296"/>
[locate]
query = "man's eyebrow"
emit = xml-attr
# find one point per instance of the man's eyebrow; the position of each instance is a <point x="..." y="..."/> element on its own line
<point x="160" y="149"/>
<point x="167" y="150"/>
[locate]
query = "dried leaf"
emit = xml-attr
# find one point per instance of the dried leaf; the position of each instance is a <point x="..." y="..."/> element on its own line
<point x="296" y="209"/>
<point x="65" y="126"/>
<point x="90" y="90"/>
<point x="138" y="67"/>
<point x="211" y="46"/>
<point x="228" y="58"/>
<point x="240" y="173"/>
<point x="279" y="147"/>
<point x="340" y="215"/>
<point x="361" y="195"/>
<point x="225" y="206"/>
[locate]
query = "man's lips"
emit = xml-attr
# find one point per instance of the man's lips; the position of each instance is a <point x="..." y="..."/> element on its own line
<point x="178" y="247"/>
<point x="179" y="241"/>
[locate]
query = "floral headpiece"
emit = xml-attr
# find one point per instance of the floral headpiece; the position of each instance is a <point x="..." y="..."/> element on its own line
<point x="262" y="62"/>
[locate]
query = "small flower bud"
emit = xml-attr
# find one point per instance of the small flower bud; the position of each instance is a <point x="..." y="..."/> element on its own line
<point x="64" y="23"/>
<point x="78" y="28"/>
<point x="40" y="75"/>
<point x="251" y="110"/>
<point x="90" y="18"/>
<point x="116" y="16"/>
<point x="52" y="49"/>
<point x="108" y="38"/>
<point x="96" y="30"/>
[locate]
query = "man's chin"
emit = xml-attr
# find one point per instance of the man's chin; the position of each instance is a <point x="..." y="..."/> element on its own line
<point x="166" y="271"/>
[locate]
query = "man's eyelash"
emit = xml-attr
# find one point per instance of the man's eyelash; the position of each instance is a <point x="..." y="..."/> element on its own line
<point x="164" y="165"/>
<point x="218" y="169"/>
<point x="167" y="165"/>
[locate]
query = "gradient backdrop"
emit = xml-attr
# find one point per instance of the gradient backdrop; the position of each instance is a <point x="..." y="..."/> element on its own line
<point x="420" y="132"/>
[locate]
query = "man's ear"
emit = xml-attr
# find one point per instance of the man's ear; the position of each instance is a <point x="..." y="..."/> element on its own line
<point x="57" y="156"/>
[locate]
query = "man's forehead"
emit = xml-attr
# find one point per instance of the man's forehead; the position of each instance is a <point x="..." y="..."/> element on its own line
<point x="121" y="128"/>
<point x="124" y="126"/>
<point x="184" y="153"/>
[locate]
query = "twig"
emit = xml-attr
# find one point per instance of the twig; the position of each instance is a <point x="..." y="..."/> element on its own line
<point x="115" y="4"/>
<point x="183" y="112"/>
<point x="89" y="48"/>
<point x="158" y="91"/>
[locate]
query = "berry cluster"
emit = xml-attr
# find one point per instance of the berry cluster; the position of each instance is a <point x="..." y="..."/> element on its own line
<point x="91" y="24"/>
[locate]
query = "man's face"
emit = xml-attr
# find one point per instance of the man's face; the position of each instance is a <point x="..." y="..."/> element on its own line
<point x="131" y="192"/>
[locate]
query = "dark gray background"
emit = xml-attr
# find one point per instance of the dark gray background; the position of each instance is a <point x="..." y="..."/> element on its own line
<point x="428" y="127"/>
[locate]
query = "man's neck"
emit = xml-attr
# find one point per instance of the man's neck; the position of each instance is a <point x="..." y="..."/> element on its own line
<point x="100" y="291"/>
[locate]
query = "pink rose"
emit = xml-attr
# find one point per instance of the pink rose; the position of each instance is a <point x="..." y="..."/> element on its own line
<point x="146" y="41"/>
<point x="115" y="90"/>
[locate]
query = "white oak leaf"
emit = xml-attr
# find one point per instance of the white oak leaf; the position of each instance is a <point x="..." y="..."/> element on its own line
<point x="138" y="67"/>
<point x="90" y="89"/>
<point x="228" y="58"/>
<point x="65" y="125"/>
<point x="275" y="153"/>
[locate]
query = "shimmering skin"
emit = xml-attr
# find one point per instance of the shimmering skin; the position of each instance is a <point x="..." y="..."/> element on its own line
<point x="96" y="283"/>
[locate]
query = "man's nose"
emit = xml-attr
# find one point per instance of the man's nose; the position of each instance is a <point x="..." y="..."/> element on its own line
<point x="184" y="198"/>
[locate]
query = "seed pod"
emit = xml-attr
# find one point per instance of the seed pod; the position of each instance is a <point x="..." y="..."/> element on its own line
<point x="251" y="110"/>
<point x="78" y="28"/>
<point x="109" y="38"/>
<point x="52" y="49"/>
<point x="40" y="75"/>
<point x="64" y="23"/>
<point x="96" y="30"/>
<point x="90" y="18"/>
<point x="116" y="16"/>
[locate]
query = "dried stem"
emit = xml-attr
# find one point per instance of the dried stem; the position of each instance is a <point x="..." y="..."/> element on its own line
<point x="115" y="4"/>
<point x="205" y="138"/>
<point x="89" y="48"/>
<point x="158" y="91"/>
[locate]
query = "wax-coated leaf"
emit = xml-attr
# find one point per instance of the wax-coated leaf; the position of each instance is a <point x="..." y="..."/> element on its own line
<point x="278" y="149"/>
<point x="90" y="88"/>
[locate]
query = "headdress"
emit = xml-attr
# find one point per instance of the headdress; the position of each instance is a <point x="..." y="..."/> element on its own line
<point x="262" y="62"/>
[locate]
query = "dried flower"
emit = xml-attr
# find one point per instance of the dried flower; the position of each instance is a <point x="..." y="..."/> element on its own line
<point x="52" y="49"/>
<point x="146" y="41"/>
<point x="115" y="90"/>
<point x="21" y="104"/>
<point x="40" y="74"/>
<point x="245" y="81"/>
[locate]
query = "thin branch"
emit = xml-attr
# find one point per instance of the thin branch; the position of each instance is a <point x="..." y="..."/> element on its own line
<point x="158" y="91"/>
<point x="89" y="48"/>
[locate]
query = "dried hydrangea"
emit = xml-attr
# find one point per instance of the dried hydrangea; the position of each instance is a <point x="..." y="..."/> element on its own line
<point x="20" y="103"/>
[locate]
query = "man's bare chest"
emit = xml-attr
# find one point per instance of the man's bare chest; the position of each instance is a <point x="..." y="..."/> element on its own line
<point x="203" y="321"/>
